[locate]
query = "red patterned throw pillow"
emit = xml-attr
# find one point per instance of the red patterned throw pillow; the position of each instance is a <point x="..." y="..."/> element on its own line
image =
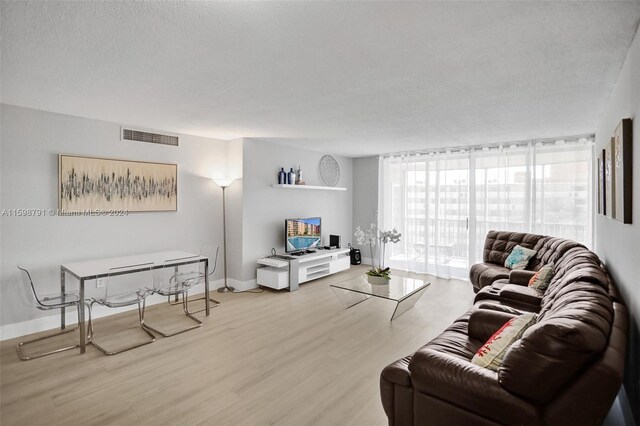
<point x="491" y="354"/>
<point x="542" y="278"/>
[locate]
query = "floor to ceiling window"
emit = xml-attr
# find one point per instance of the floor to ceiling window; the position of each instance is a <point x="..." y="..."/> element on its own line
<point x="444" y="202"/>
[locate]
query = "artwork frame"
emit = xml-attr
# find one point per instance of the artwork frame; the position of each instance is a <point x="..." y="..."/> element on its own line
<point x="622" y="164"/>
<point x="609" y="180"/>
<point x="601" y="185"/>
<point x="110" y="185"/>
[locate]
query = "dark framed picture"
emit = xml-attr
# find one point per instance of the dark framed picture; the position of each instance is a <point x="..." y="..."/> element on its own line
<point x="601" y="186"/>
<point x="89" y="183"/>
<point x="622" y="159"/>
<point x="609" y="180"/>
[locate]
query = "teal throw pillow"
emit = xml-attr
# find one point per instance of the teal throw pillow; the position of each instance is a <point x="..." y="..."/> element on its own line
<point x="519" y="258"/>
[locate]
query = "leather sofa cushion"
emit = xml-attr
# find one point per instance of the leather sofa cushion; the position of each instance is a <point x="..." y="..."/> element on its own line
<point x="550" y="250"/>
<point x="455" y="341"/>
<point x="498" y="245"/>
<point x="484" y="274"/>
<point x="578" y="265"/>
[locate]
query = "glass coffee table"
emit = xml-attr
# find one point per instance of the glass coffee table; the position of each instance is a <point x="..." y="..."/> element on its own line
<point x="402" y="290"/>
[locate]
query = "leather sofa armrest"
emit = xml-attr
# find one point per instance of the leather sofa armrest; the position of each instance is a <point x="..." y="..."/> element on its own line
<point x="398" y="372"/>
<point x="468" y="386"/>
<point x="520" y="277"/>
<point x="484" y="322"/>
<point x="526" y="295"/>
<point x="396" y="392"/>
<point x="498" y="307"/>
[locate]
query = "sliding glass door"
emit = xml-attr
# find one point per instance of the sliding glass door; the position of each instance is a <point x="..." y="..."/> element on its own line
<point x="445" y="203"/>
<point x="501" y="197"/>
<point x="426" y="197"/>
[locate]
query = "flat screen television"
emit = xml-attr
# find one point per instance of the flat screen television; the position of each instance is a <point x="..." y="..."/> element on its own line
<point x="302" y="234"/>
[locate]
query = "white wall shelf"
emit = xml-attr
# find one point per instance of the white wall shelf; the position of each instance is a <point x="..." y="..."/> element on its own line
<point x="326" y="188"/>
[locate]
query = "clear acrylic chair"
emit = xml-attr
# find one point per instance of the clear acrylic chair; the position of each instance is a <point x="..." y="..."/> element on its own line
<point x="175" y="279"/>
<point x="47" y="303"/>
<point x="206" y="250"/>
<point x="120" y="291"/>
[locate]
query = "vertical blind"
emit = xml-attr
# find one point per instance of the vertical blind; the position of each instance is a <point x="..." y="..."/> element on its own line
<point x="444" y="203"/>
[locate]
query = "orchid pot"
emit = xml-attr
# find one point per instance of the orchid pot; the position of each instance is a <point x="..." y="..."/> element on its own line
<point x="378" y="280"/>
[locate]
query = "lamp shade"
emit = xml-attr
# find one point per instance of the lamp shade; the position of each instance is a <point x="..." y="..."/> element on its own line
<point x="223" y="182"/>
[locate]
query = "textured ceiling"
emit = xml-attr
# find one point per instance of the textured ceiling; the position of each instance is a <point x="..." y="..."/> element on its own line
<point x="347" y="78"/>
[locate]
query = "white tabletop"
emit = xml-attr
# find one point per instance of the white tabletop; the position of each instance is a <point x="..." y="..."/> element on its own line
<point x="93" y="268"/>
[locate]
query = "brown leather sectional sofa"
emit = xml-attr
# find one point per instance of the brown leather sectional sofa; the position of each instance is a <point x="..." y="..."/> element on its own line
<point x="565" y="370"/>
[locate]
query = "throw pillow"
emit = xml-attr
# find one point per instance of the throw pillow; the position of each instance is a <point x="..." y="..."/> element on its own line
<point x="491" y="354"/>
<point x="519" y="257"/>
<point x="542" y="278"/>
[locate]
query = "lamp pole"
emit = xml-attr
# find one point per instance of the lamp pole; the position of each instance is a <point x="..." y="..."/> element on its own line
<point x="226" y="288"/>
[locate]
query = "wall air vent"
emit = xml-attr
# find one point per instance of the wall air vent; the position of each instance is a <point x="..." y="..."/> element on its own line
<point x="139" y="135"/>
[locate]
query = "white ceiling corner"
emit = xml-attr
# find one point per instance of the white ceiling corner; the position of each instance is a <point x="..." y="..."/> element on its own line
<point x="350" y="78"/>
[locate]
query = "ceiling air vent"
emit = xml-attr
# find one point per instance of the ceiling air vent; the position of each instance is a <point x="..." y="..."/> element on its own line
<point x="139" y="135"/>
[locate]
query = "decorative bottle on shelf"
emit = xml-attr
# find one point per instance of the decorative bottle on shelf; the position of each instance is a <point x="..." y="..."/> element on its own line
<point x="299" y="180"/>
<point x="291" y="178"/>
<point x="282" y="176"/>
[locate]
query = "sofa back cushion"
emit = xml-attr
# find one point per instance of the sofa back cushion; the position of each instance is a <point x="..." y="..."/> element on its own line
<point x="573" y="327"/>
<point x="499" y="244"/>
<point x="577" y="265"/>
<point x="550" y="250"/>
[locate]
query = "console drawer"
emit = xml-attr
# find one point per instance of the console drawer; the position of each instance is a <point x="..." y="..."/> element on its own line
<point x="277" y="278"/>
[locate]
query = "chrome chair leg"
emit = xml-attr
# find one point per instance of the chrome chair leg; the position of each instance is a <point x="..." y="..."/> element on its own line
<point x="25" y="357"/>
<point x="211" y="299"/>
<point x="185" y="304"/>
<point x="90" y="333"/>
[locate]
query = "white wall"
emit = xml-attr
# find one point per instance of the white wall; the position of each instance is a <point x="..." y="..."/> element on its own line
<point x="365" y="197"/>
<point x="617" y="244"/>
<point x="31" y="142"/>
<point x="265" y="208"/>
<point x="234" y="213"/>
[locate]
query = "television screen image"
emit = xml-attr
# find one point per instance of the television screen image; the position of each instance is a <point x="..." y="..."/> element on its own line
<point x="302" y="234"/>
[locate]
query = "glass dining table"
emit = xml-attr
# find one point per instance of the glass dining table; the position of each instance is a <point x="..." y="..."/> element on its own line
<point x="99" y="268"/>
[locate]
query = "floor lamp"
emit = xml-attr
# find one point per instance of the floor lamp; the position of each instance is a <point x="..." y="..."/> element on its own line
<point x="224" y="183"/>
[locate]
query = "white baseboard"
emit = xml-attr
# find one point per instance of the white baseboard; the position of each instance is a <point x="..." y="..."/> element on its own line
<point x="50" y="322"/>
<point x="242" y="285"/>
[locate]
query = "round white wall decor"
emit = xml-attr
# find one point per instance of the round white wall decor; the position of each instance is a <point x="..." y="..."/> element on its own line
<point x="329" y="170"/>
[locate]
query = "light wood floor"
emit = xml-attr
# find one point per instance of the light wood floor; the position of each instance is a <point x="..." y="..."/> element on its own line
<point x="280" y="358"/>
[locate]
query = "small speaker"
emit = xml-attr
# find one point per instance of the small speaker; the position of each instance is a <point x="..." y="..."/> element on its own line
<point x="334" y="241"/>
<point x="356" y="257"/>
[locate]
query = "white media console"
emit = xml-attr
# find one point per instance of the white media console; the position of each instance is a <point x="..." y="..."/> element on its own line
<point x="286" y="271"/>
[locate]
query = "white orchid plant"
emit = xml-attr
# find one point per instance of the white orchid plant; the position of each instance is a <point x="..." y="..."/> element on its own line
<point x="371" y="236"/>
